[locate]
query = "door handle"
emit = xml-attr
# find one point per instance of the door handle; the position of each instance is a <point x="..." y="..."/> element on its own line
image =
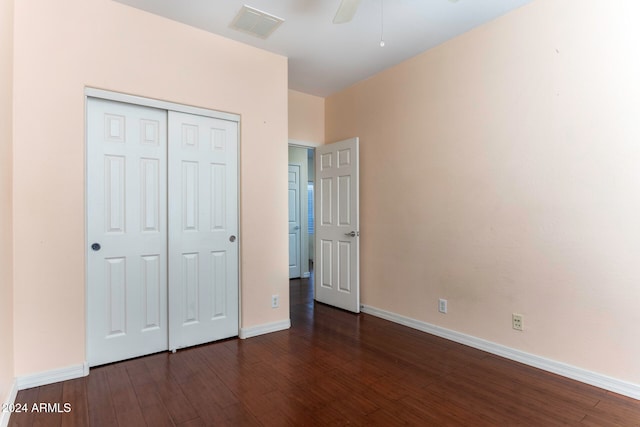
<point x="352" y="234"/>
<point x="232" y="238"/>
<point x="297" y="227"/>
<point x="96" y="247"/>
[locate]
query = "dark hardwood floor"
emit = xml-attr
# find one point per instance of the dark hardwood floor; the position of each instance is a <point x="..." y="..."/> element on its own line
<point x="330" y="368"/>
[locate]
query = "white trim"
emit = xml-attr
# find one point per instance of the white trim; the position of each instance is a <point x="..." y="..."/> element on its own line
<point x="53" y="376"/>
<point x="573" y="372"/>
<point x="156" y="103"/>
<point x="306" y="275"/>
<point x="266" y="328"/>
<point x="303" y="144"/>
<point x="11" y="399"/>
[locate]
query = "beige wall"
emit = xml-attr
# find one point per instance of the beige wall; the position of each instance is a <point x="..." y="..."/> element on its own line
<point x="501" y="171"/>
<point x="6" y="239"/>
<point x="60" y="49"/>
<point x="306" y="117"/>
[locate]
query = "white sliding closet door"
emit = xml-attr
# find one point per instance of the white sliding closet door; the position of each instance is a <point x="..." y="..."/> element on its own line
<point x="162" y="227"/>
<point x="203" y="229"/>
<point x="126" y="230"/>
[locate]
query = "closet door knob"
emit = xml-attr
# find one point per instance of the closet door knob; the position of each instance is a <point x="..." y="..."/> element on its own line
<point x="96" y="247"/>
<point x="232" y="238"/>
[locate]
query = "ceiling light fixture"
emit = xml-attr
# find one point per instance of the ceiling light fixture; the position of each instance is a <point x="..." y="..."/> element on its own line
<point x="346" y="11"/>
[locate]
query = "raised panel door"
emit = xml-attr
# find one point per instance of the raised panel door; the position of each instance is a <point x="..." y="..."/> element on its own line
<point x="126" y="217"/>
<point x="203" y="227"/>
<point x="337" y="267"/>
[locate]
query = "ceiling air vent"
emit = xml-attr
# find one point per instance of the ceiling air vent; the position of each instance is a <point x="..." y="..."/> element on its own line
<point x="255" y="22"/>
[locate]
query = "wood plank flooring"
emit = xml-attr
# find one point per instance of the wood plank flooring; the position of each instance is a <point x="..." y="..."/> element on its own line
<point x="330" y="368"/>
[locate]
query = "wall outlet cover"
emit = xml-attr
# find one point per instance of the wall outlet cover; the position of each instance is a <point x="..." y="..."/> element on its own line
<point x="442" y="305"/>
<point x="517" y="321"/>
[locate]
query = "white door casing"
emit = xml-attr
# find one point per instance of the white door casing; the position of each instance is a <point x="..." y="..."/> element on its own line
<point x="203" y="229"/>
<point x="295" y="238"/>
<point x="126" y="217"/>
<point x="337" y="271"/>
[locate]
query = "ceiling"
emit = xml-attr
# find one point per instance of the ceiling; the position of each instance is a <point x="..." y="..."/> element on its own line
<point x="325" y="57"/>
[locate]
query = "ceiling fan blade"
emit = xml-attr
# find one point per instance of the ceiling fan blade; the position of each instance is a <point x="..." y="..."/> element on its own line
<point x="346" y="11"/>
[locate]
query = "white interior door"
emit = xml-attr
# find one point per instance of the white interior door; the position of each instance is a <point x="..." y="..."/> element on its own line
<point x="295" y="240"/>
<point x="337" y="269"/>
<point x="203" y="229"/>
<point x="126" y="230"/>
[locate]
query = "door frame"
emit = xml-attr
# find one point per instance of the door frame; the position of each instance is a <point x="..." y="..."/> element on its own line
<point x="91" y="92"/>
<point x="307" y="145"/>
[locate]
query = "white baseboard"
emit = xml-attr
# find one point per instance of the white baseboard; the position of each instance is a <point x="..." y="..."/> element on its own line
<point x="11" y="399"/>
<point x="306" y="275"/>
<point x="592" y="378"/>
<point x="52" y="376"/>
<point x="267" y="328"/>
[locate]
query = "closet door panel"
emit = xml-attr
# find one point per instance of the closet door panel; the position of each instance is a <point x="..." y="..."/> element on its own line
<point x="126" y="231"/>
<point x="203" y="226"/>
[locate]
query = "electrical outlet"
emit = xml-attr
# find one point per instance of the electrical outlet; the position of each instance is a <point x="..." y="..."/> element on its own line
<point x="275" y="301"/>
<point x="517" y="321"/>
<point x="442" y="305"/>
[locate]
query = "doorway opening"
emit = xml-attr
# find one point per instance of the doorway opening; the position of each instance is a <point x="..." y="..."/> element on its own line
<point x="335" y="262"/>
<point x="301" y="189"/>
